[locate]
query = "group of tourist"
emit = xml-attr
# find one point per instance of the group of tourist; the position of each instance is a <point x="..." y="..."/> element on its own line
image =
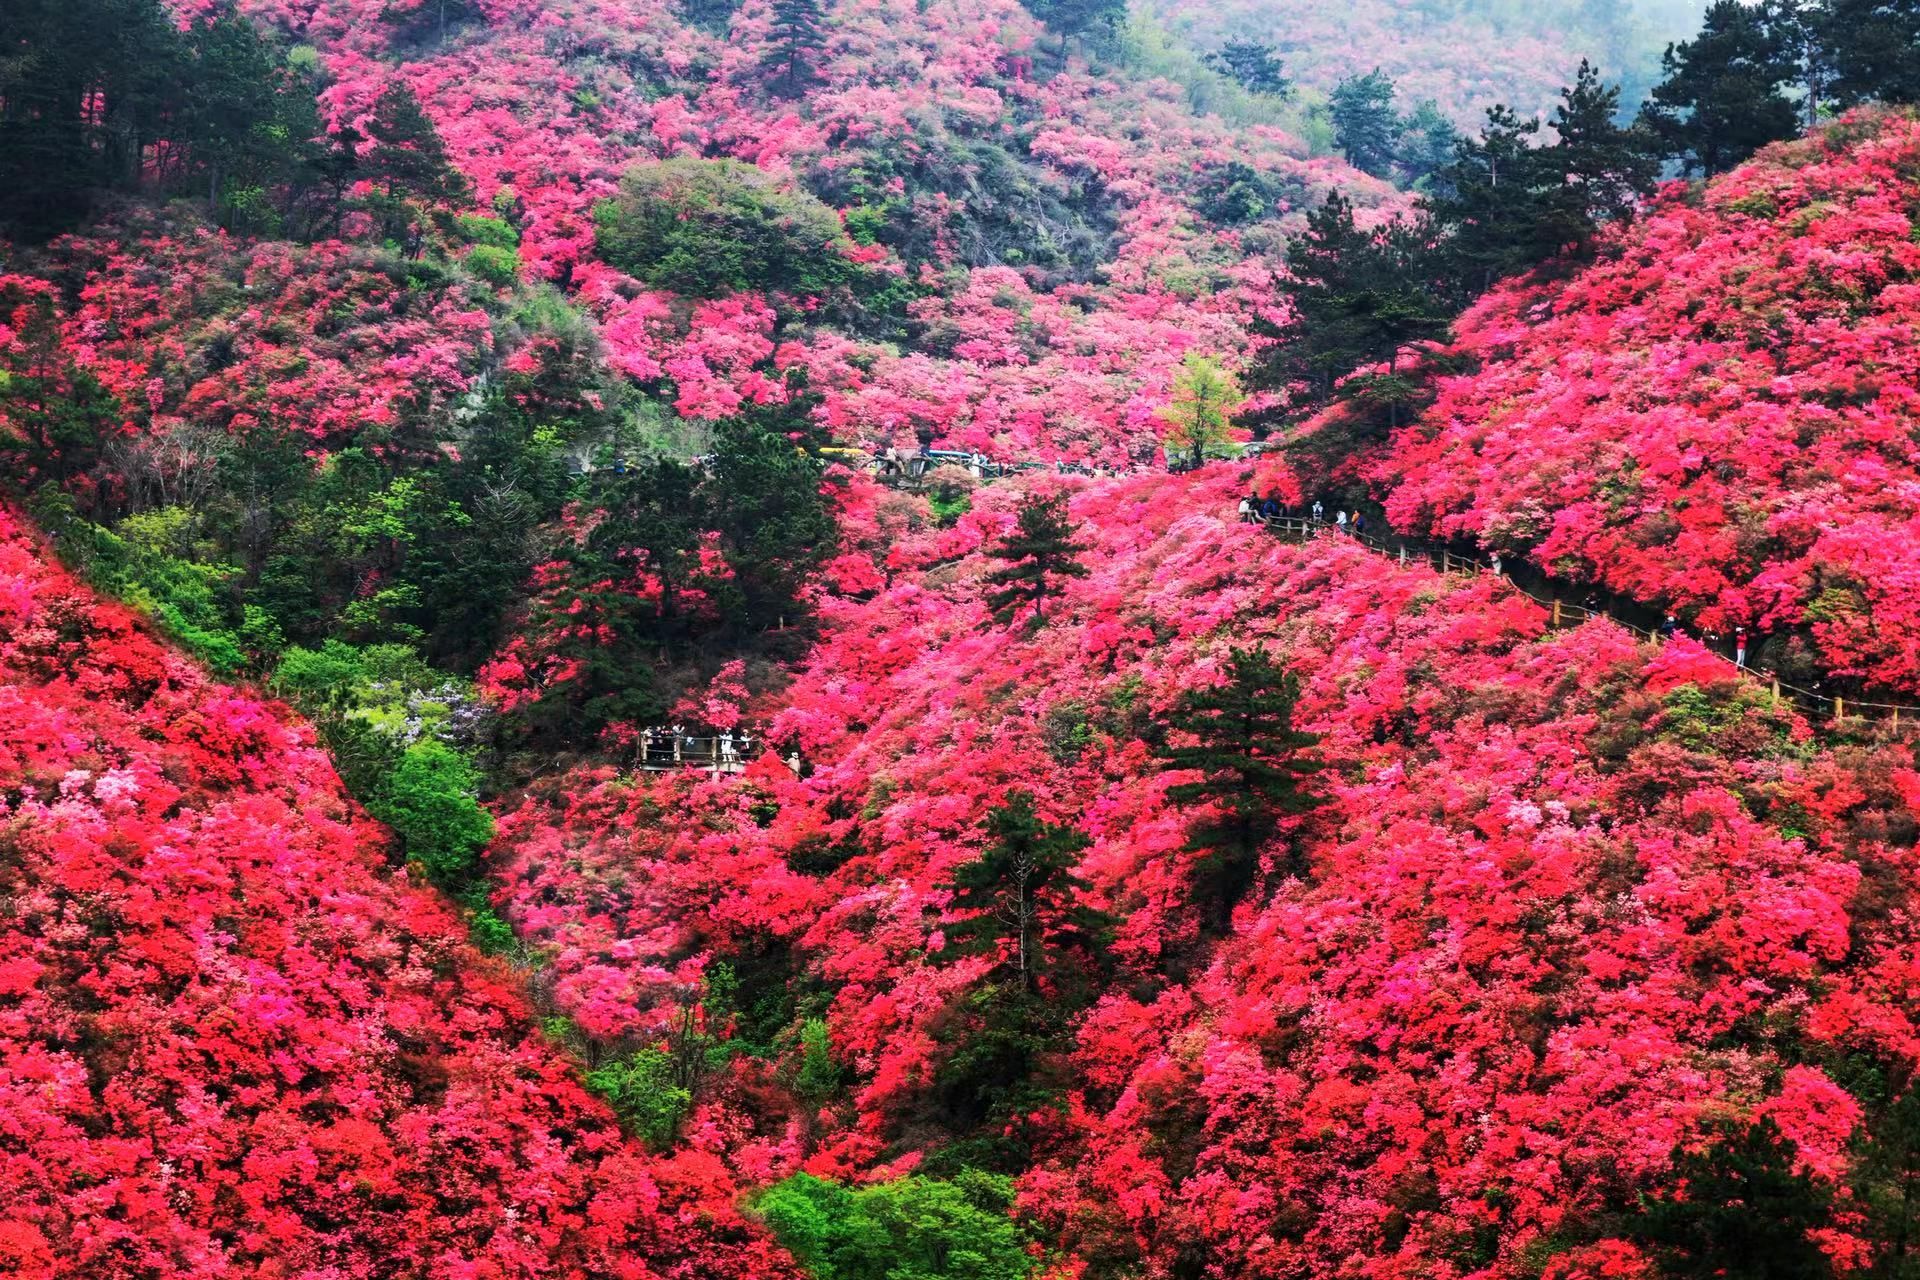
<point x="1255" y="509"/>
<point x="674" y="746"/>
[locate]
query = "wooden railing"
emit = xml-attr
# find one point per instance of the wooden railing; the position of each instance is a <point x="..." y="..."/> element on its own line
<point x="1832" y="706"/>
<point x="666" y="750"/>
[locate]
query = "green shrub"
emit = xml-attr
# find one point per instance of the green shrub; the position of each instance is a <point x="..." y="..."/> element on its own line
<point x="152" y="562"/>
<point x="497" y="266"/>
<point x="707" y="227"/>
<point x="319" y="678"/>
<point x="642" y="1092"/>
<point x="479" y="229"/>
<point x="429" y="802"/>
<point x="820" y="1076"/>
<point x="909" y="1229"/>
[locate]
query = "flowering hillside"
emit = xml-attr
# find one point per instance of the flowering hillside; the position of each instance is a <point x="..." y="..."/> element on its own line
<point x="1051" y="240"/>
<point x="690" y="850"/>
<point x="233" y="1042"/>
<point x="1720" y="417"/>
<point x="1570" y="909"/>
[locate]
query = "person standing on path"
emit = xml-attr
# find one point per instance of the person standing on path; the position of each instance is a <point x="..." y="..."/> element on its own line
<point x="1318" y="511"/>
<point x="1740" y="647"/>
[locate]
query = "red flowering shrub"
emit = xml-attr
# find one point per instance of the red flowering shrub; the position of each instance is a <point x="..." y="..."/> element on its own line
<point x="191" y="326"/>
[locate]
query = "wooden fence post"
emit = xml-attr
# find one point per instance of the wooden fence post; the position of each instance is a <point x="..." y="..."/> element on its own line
<point x="1556" y="611"/>
<point x="1839" y="707"/>
<point x="1776" y="691"/>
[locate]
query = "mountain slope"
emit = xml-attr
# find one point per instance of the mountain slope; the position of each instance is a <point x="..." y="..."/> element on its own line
<point x="234" y="1042"/>
<point x="1569" y="906"/>
<point x="1055" y="236"/>
<point x="1719" y="417"/>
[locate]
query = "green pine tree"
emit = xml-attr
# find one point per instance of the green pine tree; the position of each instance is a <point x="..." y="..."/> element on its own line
<point x="1596" y="172"/>
<point x="1483" y="201"/>
<point x="1428" y="141"/>
<point x="1506" y="205"/>
<point x="405" y="157"/>
<point x="1886" y="1179"/>
<point x="776" y="525"/>
<point x="1724" y="94"/>
<point x="1254" y="66"/>
<point x="794" y="45"/>
<point x="1253" y="767"/>
<point x="232" y="91"/>
<point x="1745" y="1212"/>
<point x="1871" y="49"/>
<point x="1037" y="554"/>
<point x="1366" y="127"/>
<point x="86" y="87"/>
<point x="1070" y="18"/>
<point x="1359" y="298"/>
<point x="1024" y="895"/>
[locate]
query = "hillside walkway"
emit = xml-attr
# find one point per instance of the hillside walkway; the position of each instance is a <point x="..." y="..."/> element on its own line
<point x="670" y="748"/>
<point x="1833" y="707"/>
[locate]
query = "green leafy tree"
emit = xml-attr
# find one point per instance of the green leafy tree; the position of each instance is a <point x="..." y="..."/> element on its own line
<point x="1037" y="555"/>
<point x="1252" y="768"/>
<point x="112" y="95"/>
<point x="641" y="1089"/>
<point x="1196" y="416"/>
<point x="703" y="228"/>
<point x="1724" y="96"/>
<point x="430" y="802"/>
<point x="1745" y="1211"/>
<point x="1366" y="127"/>
<point x="1254" y="66"/>
<point x="912" y="1228"/>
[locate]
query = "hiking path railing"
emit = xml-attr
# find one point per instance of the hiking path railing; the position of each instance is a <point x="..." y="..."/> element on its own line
<point x="1563" y="615"/>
